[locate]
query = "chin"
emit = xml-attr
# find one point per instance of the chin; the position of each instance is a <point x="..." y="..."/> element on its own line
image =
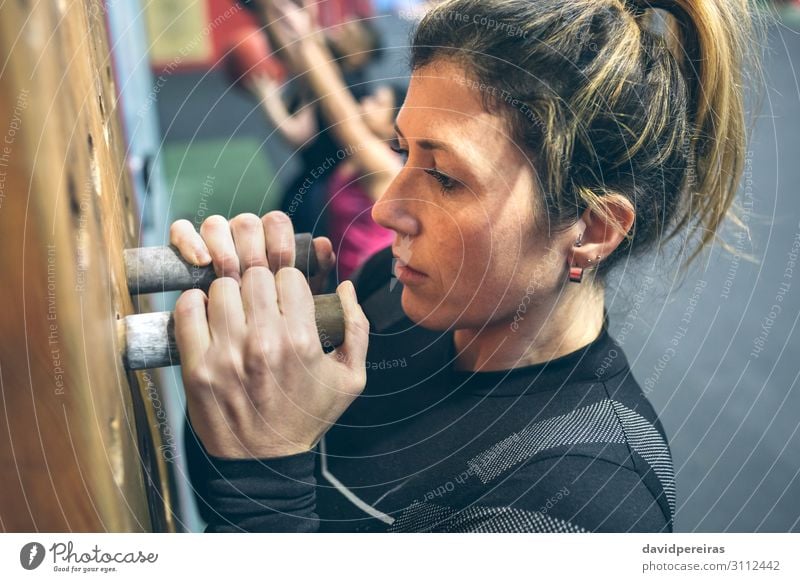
<point x="425" y="313"/>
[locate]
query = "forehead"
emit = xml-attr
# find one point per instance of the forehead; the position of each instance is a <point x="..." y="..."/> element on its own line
<point x="445" y="104"/>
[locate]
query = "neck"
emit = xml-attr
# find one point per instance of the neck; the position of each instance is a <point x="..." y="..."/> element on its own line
<point x="540" y="334"/>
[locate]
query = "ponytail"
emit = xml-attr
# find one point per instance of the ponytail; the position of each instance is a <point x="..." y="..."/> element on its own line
<point x="709" y="39"/>
<point x="632" y="97"/>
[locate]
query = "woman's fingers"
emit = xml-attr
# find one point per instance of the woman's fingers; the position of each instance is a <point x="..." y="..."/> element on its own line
<point x="353" y="352"/>
<point x="248" y="238"/>
<point x="326" y="259"/>
<point x="279" y="234"/>
<point x="226" y="319"/>
<point x="189" y="243"/>
<point x="259" y="298"/>
<point x="216" y="233"/>
<point x="297" y="308"/>
<point x="191" y="327"/>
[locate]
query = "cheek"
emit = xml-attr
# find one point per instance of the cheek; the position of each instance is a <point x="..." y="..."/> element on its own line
<point x="483" y="277"/>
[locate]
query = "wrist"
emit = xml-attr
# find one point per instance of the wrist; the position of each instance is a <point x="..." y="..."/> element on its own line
<point x="265" y="454"/>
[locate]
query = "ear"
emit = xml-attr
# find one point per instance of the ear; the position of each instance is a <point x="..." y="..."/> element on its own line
<point x="603" y="231"/>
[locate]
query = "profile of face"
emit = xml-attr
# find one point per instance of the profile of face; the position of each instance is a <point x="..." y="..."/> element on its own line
<point x="378" y="111"/>
<point x="470" y="247"/>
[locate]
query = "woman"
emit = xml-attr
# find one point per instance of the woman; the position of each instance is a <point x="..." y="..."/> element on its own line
<point x="488" y="395"/>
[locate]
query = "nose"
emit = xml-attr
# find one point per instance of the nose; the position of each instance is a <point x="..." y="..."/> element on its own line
<point x="395" y="208"/>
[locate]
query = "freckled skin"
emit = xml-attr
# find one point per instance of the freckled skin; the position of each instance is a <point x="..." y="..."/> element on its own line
<point x="478" y="244"/>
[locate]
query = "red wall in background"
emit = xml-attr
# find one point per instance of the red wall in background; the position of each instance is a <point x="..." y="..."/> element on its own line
<point x="229" y="30"/>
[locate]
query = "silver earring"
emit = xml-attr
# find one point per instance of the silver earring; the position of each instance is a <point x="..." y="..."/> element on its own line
<point x="597" y="260"/>
<point x="579" y="242"/>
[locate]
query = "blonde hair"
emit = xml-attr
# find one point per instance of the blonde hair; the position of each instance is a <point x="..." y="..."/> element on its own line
<point x="643" y="99"/>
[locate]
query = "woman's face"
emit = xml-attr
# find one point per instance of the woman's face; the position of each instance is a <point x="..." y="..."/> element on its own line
<point x="463" y="209"/>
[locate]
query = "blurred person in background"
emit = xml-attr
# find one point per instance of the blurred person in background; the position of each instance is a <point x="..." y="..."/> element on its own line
<point x="362" y="164"/>
<point x="294" y="111"/>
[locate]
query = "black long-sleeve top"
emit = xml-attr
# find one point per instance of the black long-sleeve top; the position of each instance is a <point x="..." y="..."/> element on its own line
<point x="569" y="445"/>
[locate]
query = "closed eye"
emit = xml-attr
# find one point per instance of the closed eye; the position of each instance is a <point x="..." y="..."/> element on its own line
<point x="446" y="182"/>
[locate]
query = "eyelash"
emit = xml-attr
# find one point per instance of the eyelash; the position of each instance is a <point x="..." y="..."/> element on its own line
<point x="446" y="183"/>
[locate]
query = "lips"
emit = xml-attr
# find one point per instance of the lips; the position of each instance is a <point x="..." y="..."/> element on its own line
<point x="401" y="263"/>
<point x="406" y="274"/>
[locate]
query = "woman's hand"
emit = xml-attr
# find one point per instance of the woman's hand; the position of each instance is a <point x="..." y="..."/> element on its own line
<point x="290" y="22"/>
<point x="248" y="241"/>
<point x="257" y="382"/>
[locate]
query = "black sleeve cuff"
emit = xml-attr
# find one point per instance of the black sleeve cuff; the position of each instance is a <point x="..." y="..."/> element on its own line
<point x="262" y="495"/>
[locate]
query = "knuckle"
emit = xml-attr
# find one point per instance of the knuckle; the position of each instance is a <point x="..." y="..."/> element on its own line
<point x="260" y="355"/>
<point x="261" y="271"/>
<point x="289" y="275"/>
<point x="226" y="260"/>
<point x="280" y="259"/>
<point x="256" y="276"/>
<point x="277" y="217"/>
<point x="200" y="376"/>
<point x="359" y="381"/>
<point x="360" y="323"/>
<point x="214" y="222"/>
<point x="303" y="344"/>
<point x="231" y="364"/>
<point x="246" y="221"/>
<point x="223" y="285"/>
<point x="189" y="302"/>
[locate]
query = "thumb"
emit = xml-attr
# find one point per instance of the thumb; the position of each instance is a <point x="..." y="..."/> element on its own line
<point x="353" y="352"/>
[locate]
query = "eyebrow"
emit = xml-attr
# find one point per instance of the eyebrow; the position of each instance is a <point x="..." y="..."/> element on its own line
<point x="426" y="144"/>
